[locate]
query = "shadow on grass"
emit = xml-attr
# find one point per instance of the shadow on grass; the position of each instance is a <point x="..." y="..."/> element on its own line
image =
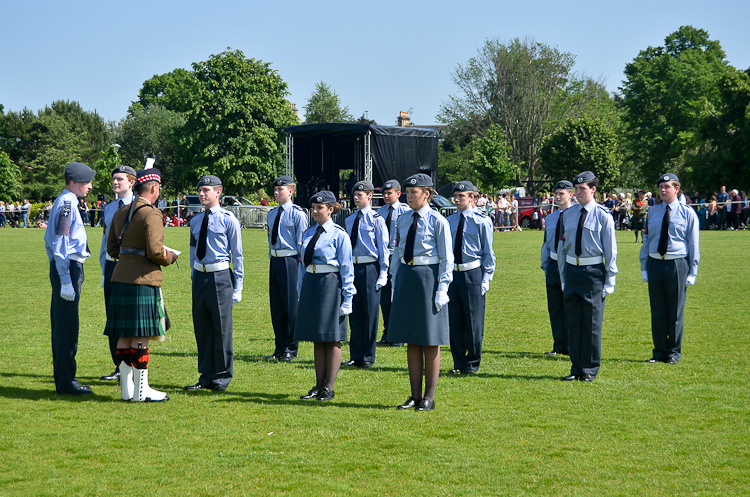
<point x="294" y="400"/>
<point x="37" y="394"/>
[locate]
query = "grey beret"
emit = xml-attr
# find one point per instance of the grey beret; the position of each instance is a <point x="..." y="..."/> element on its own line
<point x="391" y="183"/>
<point x="666" y="177"/>
<point x="144" y="175"/>
<point x="283" y="180"/>
<point x="80" y="173"/>
<point x="209" y="180"/>
<point x="563" y="185"/>
<point x="324" y="197"/>
<point x="418" y="179"/>
<point x="464" y="186"/>
<point x="123" y="169"/>
<point x="363" y="186"/>
<point x="584" y="177"/>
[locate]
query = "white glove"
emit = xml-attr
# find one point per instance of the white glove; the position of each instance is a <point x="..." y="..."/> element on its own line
<point x="346" y="308"/>
<point x="102" y="283"/>
<point x="562" y="286"/>
<point x="382" y="281"/>
<point x="68" y="292"/>
<point x="690" y="281"/>
<point x="608" y="290"/>
<point x="441" y="298"/>
<point x="644" y="275"/>
<point x="236" y="296"/>
<point x="485" y="287"/>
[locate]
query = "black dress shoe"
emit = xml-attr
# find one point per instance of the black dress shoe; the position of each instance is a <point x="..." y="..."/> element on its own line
<point x="552" y="352"/>
<point x="271" y="358"/>
<point x="671" y="360"/>
<point x="350" y="362"/>
<point x="395" y="344"/>
<point x="468" y="371"/>
<point x="653" y="360"/>
<point x="286" y="357"/>
<point x="425" y="405"/>
<point x="114" y="375"/>
<point x="410" y="402"/>
<point x="587" y="377"/>
<point x="197" y="386"/>
<point x="218" y="388"/>
<point x="325" y="394"/>
<point x="365" y="365"/>
<point x="570" y="377"/>
<point x="382" y="342"/>
<point x="313" y="393"/>
<point x="454" y="371"/>
<point x="80" y="390"/>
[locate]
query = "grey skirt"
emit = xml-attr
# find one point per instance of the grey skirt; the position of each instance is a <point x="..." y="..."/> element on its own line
<point x="318" y="317"/>
<point x="413" y="316"/>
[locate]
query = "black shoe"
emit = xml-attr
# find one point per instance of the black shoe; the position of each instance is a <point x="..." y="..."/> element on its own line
<point x="325" y="394"/>
<point x="425" y="405"/>
<point x="454" y="371"/>
<point x="396" y="344"/>
<point x="286" y="357"/>
<point x="80" y="390"/>
<point x="587" y="377"/>
<point x="552" y="352"/>
<point x="114" y="375"/>
<point x="313" y="393"/>
<point x="383" y="343"/>
<point x="197" y="386"/>
<point x="410" y="402"/>
<point x="468" y="371"/>
<point x="218" y="388"/>
<point x="653" y="360"/>
<point x="365" y="365"/>
<point x="671" y="360"/>
<point x="570" y="377"/>
<point x="349" y="363"/>
<point x="271" y="357"/>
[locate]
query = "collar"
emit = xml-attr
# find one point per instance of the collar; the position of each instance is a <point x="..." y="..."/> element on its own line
<point x="674" y="205"/>
<point x="466" y="211"/>
<point x="286" y="206"/>
<point x="216" y="208"/>
<point x="366" y="209"/>
<point x="590" y="206"/>
<point x="395" y="205"/>
<point x="328" y="225"/>
<point x="127" y="199"/>
<point x="424" y="211"/>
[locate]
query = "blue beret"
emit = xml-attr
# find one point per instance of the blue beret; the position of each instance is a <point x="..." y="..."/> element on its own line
<point x="418" y="179"/>
<point x="324" y="197"/>
<point x="209" y="180"/>
<point x="80" y="173"/>
<point x="584" y="177"/>
<point x="563" y="185"/>
<point x="363" y="186"/>
<point x="123" y="169"/>
<point x="391" y="183"/>
<point x="464" y="186"/>
<point x="283" y="180"/>
<point x="666" y="177"/>
<point x="145" y="175"/>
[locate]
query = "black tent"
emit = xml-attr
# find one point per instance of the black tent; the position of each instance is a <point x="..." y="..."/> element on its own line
<point x="317" y="152"/>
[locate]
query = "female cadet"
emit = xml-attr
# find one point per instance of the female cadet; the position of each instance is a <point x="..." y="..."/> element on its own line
<point x="325" y="292"/>
<point x="422" y="270"/>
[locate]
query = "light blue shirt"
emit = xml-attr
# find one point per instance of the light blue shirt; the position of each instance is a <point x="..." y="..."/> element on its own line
<point x="683" y="234"/>
<point x="550" y="231"/>
<point x="65" y="235"/>
<point x="398" y="209"/>
<point x="223" y="241"/>
<point x="598" y="239"/>
<point x="433" y="238"/>
<point x="334" y="249"/>
<point x="109" y="213"/>
<point x="477" y="241"/>
<point x="292" y="225"/>
<point x="372" y="239"/>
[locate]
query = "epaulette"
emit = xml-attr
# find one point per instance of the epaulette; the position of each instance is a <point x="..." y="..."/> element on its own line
<point x="341" y="228"/>
<point x="481" y="213"/>
<point x="297" y="207"/>
<point x="375" y="213"/>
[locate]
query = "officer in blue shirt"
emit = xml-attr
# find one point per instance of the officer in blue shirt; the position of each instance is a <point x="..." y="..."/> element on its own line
<point x="369" y="239"/>
<point x="67" y="249"/>
<point x="473" y="268"/>
<point x="589" y="250"/>
<point x="553" y="234"/>
<point x="123" y="180"/>
<point x="669" y="263"/>
<point x="286" y="223"/>
<point x="215" y="239"/>
<point x="391" y="211"/>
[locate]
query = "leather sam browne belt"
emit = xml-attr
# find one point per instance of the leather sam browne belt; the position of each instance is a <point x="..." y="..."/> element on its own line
<point x="422" y="261"/>
<point x="321" y="268"/>
<point x="665" y="257"/>
<point x="132" y="251"/>
<point x="210" y="268"/>
<point x="583" y="261"/>
<point x="467" y="266"/>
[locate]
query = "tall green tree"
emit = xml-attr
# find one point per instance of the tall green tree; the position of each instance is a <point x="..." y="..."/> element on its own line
<point x="324" y="106"/>
<point x="10" y="179"/>
<point x="490" y="157"/>
<point x="171" y="91"/>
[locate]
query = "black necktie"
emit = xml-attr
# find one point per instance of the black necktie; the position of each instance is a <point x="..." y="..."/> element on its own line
<point x="201" y="251"/>
<point x="409" y="247"/>
<point x="579" y="232"/>
<point x="558" y="230"/>
<point x="355" y="229"/>
<point x="311" y="246"/>
<point x="120" y="203"/>
<point x="388" y="221"/>
<point x="458" y="243"/>
<point x="664" y="237"/>
<point x="275" y="230"/>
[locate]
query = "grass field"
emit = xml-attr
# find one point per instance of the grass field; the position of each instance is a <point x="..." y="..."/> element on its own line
<point x="512" y="429"/>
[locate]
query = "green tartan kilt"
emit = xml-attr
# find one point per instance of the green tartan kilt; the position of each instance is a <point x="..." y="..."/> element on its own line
<point x="136" y="311"/>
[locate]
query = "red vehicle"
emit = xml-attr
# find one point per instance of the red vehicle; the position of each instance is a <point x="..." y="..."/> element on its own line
<point x="526" y="218"/>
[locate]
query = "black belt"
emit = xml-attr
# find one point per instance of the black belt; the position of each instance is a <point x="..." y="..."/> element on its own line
<point x="132" y="251"/>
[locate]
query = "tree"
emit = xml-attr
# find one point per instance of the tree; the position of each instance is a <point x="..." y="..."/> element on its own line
<point x="583" y="144"/>
<point x="171" y="91"/>
<point x="324" y="106"/>
<point x="10" y="179"/>
<point x="363" y="120"/>
<point x="490" y="158"/>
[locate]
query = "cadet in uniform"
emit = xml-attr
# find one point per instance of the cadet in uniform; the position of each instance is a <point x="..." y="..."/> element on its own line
<point x="369" y="239"/>
<point x="215" y="238"/>
<point x="123" y="180"/>
<point x="67" y="249"/>
<point x="390" y="212"/>
<point x="422" y="270"/>
<point x="286" y="225"/>
<point x="553" y="234"/>
<point x="473" y="268"/>
<point x="136" y="311"/>
<point x="326" y="288"/>
<point x="669" y="263"/>
<point x="589" y="250"/>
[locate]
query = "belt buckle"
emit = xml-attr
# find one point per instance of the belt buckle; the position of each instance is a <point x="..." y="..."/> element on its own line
<point x="314" y="268"/>
<point x="663" y="256"/>
<point x="204" y="267"/>
<point x="578" y="262"/>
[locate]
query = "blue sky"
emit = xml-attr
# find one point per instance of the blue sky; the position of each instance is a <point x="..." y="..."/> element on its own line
<point x="380" y="57"/>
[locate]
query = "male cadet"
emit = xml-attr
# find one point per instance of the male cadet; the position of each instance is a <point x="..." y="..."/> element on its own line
<point x="473" y="268"/>
<point x="370" y="256"/>
<point x="123" y="180"/>
<point x="65" y="242"/>
<point x="669" y="263"/>
<point x="215" y="238"/>
<point x="390" y="212"/>
<point x="589" y="250"/>
<point x="287" y="224"/>
<point x="553" y="230"/>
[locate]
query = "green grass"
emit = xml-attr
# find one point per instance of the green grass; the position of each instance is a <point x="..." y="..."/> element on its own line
<point x="512" y="429"/>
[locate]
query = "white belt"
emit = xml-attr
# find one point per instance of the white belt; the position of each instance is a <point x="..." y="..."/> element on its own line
<point x="553" y="256"/>
<point x="583" y="261"/>
<point x="665" y="257"/>
<point x="468" y="266"/>
<point x="422" y="261"/>
<point x="210" y="268"/>
<point x="321" y="268"/>
<point x="110" y="258"/>
<point x="77" y="258"/>
<point x="283" y="253"/>
<point x="364" y="259"/>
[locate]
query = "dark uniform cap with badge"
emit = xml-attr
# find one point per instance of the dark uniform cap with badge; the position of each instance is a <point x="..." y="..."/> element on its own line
<point x="324" y="197"/>
<point x="124" y="169"/>
<point x="418" y="179"/>
<point x="144" y="175"/>
<point x="390" y="184"/>
<point x="464" y="186"/>
<point x="283" y="180"/>
<point x="667" y="177"/>
<point x="80" y="173"/>
<point x="209" y="180"/>
<point x="563" y="185"/>
<point x="584" y="177"/>
<point x="363" y="186"/>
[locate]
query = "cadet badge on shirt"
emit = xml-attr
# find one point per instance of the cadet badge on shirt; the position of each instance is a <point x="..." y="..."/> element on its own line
<point x="64" y="220"/>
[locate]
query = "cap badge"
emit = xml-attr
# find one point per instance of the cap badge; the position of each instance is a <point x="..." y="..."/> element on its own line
<point x="462" y="187"/>
<point x="121" y="168"/>
<point x="320" y="199"/>
<point x="665" y="178"/>
<point x="206" y="180"/>
<point x="414" y="180"/>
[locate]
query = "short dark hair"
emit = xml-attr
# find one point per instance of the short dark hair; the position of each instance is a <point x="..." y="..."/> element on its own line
<point x="144" y="186"/>
<point x="594" y="182"/>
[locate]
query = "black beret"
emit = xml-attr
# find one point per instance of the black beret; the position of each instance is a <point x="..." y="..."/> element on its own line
<point x="324" y="197"/>
<point x="80" y="173"/>
<point x="391" y="183"/>
<point x="464" y="186"/>
<point x="584" y="177"/>
<point x="418" y="179"/>
<point x="144" y="175"/>
<point x="363" y="186"/>
<point x="666" y="177"/>
<point x="283" y="180"/>
<point x="209" y="180"/>
<point x="563" y="185"/>
<point x="123" y="169"/>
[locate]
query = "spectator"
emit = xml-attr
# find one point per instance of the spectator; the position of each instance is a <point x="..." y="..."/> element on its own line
<point x="47" y="208"/>
<point x="92" y="214"/>
<point x="721" y="200"/>
<point x="713" y="213"/>
<point x="83" y="209"/>
<point x="184" y="207"/>
<point x="625" y="205"/>
<point x="163" y="204"/>
<point x="514" y="213"/>
<point x="735" y="210"/>
<point x="25" y="209"/>
<point x="702" y="212"/>
<point x="2" y="214"/>
<point x="638" y="213"/>
<point x="500" y="207"/>
<point x="11" y="214"/>
<point x="745" y="210"/>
